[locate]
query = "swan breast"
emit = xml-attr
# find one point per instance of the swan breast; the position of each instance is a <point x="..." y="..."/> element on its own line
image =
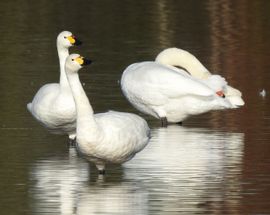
<point x="122" y="136"/>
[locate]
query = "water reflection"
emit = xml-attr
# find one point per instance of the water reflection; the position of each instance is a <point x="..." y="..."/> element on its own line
<point x="123" y="198"/>
<point x="182" y="169"/>
<point x="191" y="169"/>
<point x="57" y="180"/>
<point x="64" y="185"/>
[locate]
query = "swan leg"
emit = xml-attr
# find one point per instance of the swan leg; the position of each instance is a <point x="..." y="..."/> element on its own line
<point x="72" y="142"/>
<point x="164" y="122"/>
<point x="101" y="168"/>
<point x="179" y="123"/>
<point x="101" y="172"/>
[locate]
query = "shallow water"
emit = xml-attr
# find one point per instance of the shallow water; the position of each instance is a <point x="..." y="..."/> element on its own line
<point x="216" y="163"/>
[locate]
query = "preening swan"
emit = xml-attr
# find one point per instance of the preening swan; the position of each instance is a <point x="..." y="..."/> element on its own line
<point x="178" y="57"/>
<point x="169" y="93"/>
<point x="105" y="137"/>
<point x="53" y="105"/>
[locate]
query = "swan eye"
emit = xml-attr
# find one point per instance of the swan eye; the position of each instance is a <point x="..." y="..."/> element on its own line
<point x="72" y="59"/>
<point x="65" y="37"/>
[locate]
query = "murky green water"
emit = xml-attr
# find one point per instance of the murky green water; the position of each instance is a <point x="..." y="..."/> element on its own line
<point x="216" y="163"/>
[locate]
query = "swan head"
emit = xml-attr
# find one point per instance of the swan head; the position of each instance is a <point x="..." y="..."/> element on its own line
<point x="66" y="39"/>
<point x="75" y="62"/>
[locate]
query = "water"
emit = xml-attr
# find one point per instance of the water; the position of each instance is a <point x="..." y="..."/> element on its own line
<point x="216" y="163"/>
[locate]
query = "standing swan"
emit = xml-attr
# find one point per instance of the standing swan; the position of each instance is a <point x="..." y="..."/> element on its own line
<point x="105" y="137"/>
<point x="53" y="105"/>
<point x="170" y="94"/>
<point x="178" y="57"/>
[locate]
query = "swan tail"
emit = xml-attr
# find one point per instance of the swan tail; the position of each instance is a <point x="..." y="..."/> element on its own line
<point x="29" y="107"/>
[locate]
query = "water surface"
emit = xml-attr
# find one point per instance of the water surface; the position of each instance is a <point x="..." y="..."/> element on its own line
<point x="216" y="163"/>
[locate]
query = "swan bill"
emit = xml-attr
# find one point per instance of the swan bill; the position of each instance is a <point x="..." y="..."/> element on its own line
<point x="86" y="62"/>
<point x="83" y="61"/>
<point x="74" y="41"/>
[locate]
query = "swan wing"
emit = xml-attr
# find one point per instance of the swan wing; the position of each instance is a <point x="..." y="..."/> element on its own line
<point x="175" y="85"/>
<point x="159" y="83"/>
<point x="46" y="94"/>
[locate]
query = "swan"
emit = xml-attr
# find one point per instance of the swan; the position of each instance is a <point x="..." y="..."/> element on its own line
<point x="178" y="57"/>
<point x="53" y="105"/>
<point x="169" y="93"/>
<point x="105" y="137"/>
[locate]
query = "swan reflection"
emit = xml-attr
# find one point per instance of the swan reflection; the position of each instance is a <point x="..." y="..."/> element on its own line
<point x="182" y="169"/>
<point x="194" y="168"/>
<point x="57" y="180"/>
<point x="63" y="186"/>
<point x="123" y="198"/>
<point x="179" y="148"/>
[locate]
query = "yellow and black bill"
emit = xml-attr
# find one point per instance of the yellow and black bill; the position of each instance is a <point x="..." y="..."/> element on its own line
<point x="74" y="40"/>
<point x="83" y="61"/>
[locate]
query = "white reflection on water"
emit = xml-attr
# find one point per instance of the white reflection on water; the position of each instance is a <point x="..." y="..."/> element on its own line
<point x="62" y="186"/>
<point x="190" y="169"/>
<point x="57" y="181"/>
<point x="182" y="169"/>
<point x="124" y="198"/>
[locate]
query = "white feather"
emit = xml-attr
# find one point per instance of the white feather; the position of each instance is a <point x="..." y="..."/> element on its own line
<point x="113" y="137"/>
<point x="53" y="105"/>
<point x="172" y="57"/>
<point x="162" y="91"/>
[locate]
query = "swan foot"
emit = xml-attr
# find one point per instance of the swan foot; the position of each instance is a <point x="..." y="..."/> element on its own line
<point x="164" y="122"/>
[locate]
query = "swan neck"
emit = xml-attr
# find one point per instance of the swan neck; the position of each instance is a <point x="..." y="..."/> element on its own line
<point x="85" y="113"/>
<point x="63" y="54"/>
<point x="185" y="60"/>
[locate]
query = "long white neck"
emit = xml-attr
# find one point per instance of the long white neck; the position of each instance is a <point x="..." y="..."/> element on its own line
<point x="63" y="54"/>
<point x="85" y="113"/>
<point x="182" y="58"/>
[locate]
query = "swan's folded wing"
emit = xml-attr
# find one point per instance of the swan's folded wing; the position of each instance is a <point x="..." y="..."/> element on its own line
<point x="155" y="84"/>
<point x="148" y="94"/>
<point x="173" y="85"/>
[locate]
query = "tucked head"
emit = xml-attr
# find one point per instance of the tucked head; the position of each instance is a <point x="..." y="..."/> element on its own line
<point x="74" y="62"/>
<point x="66" y="39"/>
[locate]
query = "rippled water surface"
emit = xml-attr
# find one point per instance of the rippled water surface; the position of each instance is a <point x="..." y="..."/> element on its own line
<point x="216" y="163"/>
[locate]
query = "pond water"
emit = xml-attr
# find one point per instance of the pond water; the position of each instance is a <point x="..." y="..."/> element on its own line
<point x="216" y="163"/>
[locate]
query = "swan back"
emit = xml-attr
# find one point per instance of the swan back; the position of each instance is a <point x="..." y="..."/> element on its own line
<point x="161" y="80"/>
<point x="178" y="57"/>
<point x="215" y="82"/>
<point x="161" y="91"/>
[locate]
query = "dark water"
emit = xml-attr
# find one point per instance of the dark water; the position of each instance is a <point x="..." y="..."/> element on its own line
<point x="217" y="163"/>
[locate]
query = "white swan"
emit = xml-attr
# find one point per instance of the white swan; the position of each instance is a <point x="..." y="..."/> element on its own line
<point x="53" y="105"/>
<point x="106" y="137"/>
<point x="179" y="57"/>
<point x="169" y="93"/>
